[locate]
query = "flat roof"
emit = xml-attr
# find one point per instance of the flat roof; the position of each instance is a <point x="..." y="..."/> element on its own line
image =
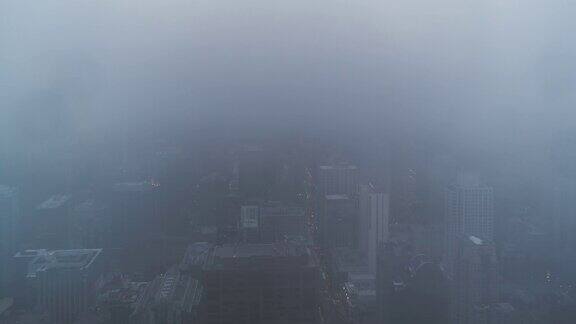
<point x="133" y="186"/>
<point x="6" y="191"/>
<point x="255" y="254"/>
<point x="54" y="201"/>
<point x="476" y="240"/>
<point x="64" y="259"/>
<point x="258" y="250"/>
<point x="336" y="197"/>
<point x="341" y="166"/>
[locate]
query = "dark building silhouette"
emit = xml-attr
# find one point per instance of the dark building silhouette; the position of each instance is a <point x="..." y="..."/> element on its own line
<point x="410" y="288"/>
<point x="261" y="283"/>
<point x="338" y="221"/>
<point x="61" y="283"/>
<point x="9" y="226"/>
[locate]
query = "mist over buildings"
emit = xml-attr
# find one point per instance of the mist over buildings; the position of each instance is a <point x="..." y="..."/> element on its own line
<point x="303" y="161"/>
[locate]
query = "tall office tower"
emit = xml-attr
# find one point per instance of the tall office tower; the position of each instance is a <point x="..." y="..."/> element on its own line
<point x="410" y="287"/>
<point x="261" y="283"/>
<point x="172" y="297"/>
<point x="279" y="221"/>
<point x="469" y="211"/>
<point x="9" y="218"/>
<point x="66" y="279"/>
<point x="475" y="287"/>
<point x="250" y="223"/>
<point x="338" y="221"/>
<point x="341" y="179"/>
<point x="373" y="222"/>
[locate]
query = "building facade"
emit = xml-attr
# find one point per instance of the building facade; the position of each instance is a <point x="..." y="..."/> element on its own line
<point x="9" y="220"/>
<point x="261" y="283"/>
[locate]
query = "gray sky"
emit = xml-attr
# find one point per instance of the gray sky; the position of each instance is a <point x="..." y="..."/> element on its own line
<point x="495" y="71"/>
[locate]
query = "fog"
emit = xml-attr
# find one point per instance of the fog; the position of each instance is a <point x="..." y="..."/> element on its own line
<point x="487" y="72"/>
<point x="297" y="161"/>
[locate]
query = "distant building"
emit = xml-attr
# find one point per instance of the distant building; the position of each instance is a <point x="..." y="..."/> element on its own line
<point x="171" y="298"/>
<point x="250" y="223"/>
<point x="9" y="230"/>
<point x="64" y="281"/>
<point x="373" y="222"/>
<point x="410" y="288"/>
<point x="469" y="211"/>
<point x="117" y="299"/>
<point x="261" y="283"/>
<point x="279" y="221"/>
<point x="341" y="179"/>
<point x="475" y="287"/>
<point x="338" y="221"/>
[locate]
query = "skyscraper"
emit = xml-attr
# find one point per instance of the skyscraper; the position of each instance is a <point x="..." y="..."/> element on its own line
<point x="66" y="280"/>
<point x="338" y="221"/>
<point x="469" y="211"/>
<point x="261" y="283"/>
<point x="475" y="288"/>
<point x="373" y="222"/>
<point x="341" y="179"/>
<point x="9" y="215"/>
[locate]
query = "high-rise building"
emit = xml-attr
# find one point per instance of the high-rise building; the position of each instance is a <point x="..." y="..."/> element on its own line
<point x="411" y="288"/>
<point x="340" y="179"/>
<point x="338" y="221"/>
<point x="172" y="297"/>
<point x="250" y="223"/>
<point x="469" y="211"/>
<point x="279" y="221"/>
<point x="64" y="281"/>
<point x="261" y="283"/>
<point x="373" y="222"/>
<point x="9" y="219"/>
<point x="475" y="288"/>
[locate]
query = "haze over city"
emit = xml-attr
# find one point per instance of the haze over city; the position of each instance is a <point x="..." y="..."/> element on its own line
<point x="346" y="143"/>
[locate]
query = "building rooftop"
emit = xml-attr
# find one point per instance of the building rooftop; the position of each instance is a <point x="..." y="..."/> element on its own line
<point x="338" y="166"/>
<point x="42" y="260"/>
<point x="174" y="288"/>
<point x="336" y="197"/>
<point x="55" y="201"/>
<point x="196" y="255"/>
<point x="6" y="191"/>
<point x="89" y="205"/>
<point x="141" y="186"/>
<point x="261" y="254"/>
<point x="476" y="240"/>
